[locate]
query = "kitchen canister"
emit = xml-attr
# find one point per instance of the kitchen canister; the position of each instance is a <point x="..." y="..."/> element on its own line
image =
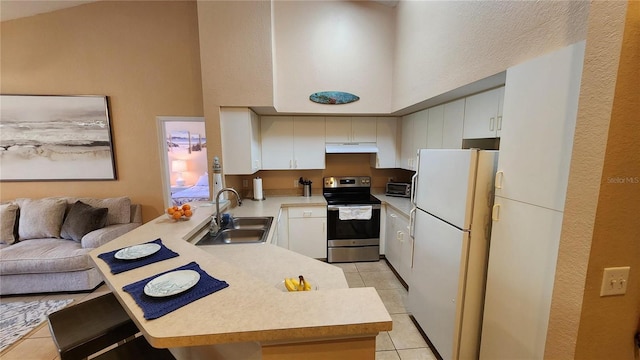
<point x="306" y="190"/>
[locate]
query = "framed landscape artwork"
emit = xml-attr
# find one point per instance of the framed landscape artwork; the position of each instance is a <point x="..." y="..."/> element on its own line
<point x="55" y="137"/>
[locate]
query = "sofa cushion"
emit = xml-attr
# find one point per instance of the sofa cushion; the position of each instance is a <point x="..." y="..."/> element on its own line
<point x="8" y="215"/>
<point x="119" y="208"/>
<point x="44" y="256"/>
<point x="40" y="218"/>
<point x="81" y="220"/>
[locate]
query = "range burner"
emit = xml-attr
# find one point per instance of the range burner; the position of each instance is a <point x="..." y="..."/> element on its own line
<point x="348" y="190"/>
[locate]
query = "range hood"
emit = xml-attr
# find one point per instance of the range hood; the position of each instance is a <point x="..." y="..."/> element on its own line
<point x="351" y="148"/>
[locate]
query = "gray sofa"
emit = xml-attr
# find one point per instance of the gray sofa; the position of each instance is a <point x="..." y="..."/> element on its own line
<point x="44" y="243"/>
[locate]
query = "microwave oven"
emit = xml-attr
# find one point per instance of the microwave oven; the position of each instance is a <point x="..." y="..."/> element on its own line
<point x="398" y="189"/>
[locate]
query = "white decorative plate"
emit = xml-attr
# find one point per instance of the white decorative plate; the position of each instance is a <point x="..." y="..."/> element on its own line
<point x="172" y="283"/>
<point x="137" y="251"/>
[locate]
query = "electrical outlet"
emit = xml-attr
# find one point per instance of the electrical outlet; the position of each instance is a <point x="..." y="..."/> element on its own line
<point x="614" y="281"/>
<point x="390" y="179"/>
<point x="295" y="183"/>
<point x="245" y="183"/>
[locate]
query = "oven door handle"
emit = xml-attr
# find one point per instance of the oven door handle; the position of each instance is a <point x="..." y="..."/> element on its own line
<point x="337" y="207"/>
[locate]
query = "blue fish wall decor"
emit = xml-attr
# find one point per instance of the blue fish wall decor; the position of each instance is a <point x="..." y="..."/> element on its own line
<point x="333" y="97"/>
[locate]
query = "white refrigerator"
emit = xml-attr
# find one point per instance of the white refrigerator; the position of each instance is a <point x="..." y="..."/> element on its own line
<point x="450" y="222"/>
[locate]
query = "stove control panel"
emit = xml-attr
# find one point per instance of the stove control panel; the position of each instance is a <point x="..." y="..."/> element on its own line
<point x="347" y="181"/>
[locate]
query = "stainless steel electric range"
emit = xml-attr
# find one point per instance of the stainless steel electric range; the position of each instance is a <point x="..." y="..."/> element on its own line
<point x="353" y="219"/>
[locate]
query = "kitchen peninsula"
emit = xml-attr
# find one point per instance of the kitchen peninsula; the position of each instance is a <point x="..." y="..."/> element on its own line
<point x="253" y="318"/>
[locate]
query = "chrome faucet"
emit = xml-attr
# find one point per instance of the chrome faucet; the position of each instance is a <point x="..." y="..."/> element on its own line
<point x="215" y="227"/>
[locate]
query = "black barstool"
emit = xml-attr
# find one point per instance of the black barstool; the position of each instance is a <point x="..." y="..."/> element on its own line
<point x="90" y="326"/>
<point x="137" y="349"/>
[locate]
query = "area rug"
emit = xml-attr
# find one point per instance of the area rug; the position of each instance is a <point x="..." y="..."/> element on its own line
<point x="18" y="318"/>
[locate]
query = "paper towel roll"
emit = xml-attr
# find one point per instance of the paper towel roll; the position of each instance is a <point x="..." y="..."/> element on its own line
<point x="257" y="189"/>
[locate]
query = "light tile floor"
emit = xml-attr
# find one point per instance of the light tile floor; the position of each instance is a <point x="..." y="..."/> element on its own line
<point x="404" y="342"/>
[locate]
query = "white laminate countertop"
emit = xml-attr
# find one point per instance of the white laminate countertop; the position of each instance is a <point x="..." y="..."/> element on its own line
<point x="253" y="308"/>
<point x="401" y="204"/>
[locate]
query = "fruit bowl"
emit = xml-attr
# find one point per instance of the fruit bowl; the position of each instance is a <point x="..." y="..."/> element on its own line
<point x="180" y="213"/>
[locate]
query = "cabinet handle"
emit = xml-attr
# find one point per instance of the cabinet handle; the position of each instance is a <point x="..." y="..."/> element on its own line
<point x="307" y="213"/>
<point x="290" y="164"/>
<point x="498" y="179"/>
<point x="491" y="124"/>
<point x="400" y="236"/>
<point x="295" y="163"/>
<point x="495" y="212"/>
<point x="499" y="122"/>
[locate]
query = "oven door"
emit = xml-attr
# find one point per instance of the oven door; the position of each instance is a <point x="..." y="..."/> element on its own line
<point x="367" y="231"/>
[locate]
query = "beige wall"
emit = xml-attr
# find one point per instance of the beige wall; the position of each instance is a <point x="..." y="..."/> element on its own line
<point x="443" y="45"/>
<point x="332" y="45"/>
<point x="601" y="226"/>
<point x="143" y="55"/>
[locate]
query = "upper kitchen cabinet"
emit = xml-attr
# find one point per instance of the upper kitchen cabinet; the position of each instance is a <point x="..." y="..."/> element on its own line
<point x="541" y="105"/>
<point x="435" y="124"/>
<point x="483" y="114"/>
<point x="293" y="142"/>
<point x="453" y="124"/>
<point x="240" y="137"/>
<point x="351" y="129"/>
<point x="414" y="137"/>
<point x="387" y="142"/>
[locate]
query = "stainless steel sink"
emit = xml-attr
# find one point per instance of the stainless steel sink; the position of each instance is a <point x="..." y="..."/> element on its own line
<point x="245" y="230"/>
<point x="263" y="222"/>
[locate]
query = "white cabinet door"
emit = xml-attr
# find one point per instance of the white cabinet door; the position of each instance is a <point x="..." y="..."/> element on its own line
<point x="277" y="142"/>
<point x="435" y="124"/>
<point x="540" y="109"/>
<point x="240" y="137"/>
<point x="309" y="142"/>
<point x="420" y="131"/>
<point x="453" y="124"/>
<point x="520" y="278"/>
<point x="406" y="248"/>
<point x="338" y="129"/>
<point x="293" y="143"/>
<point x="407" y="153"/>
<point x="392" y="244"/>
<point x="308" y="231"/>
<point x="481" y="114"/>
<point x="351" y="129"/>
<point x="387" y="142"/>
<point x="283" y="228"/>
<point x="363" y="129"/>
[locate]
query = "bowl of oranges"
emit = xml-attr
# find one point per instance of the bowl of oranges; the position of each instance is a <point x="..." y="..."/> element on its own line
<point x="184" y="212"/>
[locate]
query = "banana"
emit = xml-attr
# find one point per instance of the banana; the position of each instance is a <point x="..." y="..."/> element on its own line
<point x="290" y="285"/>
<point x="300" y="284"/>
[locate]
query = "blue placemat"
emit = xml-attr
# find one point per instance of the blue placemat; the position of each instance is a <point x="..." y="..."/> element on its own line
<point x="155" y="307"/>
<point x="117" y="266"/>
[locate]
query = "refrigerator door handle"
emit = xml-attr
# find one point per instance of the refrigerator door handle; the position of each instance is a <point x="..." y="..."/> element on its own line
<point x="495" y="212"/>
<point x="412" y="222"/>
<point x="498" y="179"/>
<point x="414" y="188"/>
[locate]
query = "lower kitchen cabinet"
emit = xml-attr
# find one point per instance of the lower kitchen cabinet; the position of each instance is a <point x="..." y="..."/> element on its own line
<point x="398" y="243"/>
<point x="308" y="231"/>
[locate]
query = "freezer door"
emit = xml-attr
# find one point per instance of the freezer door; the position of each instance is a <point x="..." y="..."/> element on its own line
<point x="436" y="294"/>
<point x="445" y="183"/>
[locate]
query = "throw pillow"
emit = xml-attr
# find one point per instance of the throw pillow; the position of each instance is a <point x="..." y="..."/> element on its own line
<point x="8" y="215"/>
<point x="119" y="208"/>
<point x="81" y="220"/>
<point x="40" y="218"/>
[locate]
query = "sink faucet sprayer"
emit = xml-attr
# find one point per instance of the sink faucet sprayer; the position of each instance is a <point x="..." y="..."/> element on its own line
<point x="216" y="225"/>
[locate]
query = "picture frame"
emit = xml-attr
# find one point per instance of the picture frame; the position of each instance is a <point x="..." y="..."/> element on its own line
<point x="55" y="138"/>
